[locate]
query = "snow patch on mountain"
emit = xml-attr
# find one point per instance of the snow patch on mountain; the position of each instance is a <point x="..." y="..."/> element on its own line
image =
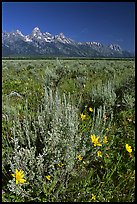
<point x="19" y="33"/>
<point x="115" y="47"/>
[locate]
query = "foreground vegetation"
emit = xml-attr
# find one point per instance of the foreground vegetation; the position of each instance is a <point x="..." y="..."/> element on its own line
<point x="68" y="131"/>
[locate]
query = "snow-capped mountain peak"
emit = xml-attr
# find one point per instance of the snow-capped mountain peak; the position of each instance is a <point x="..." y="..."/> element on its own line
<point x="19" y="33"/>
<point x="63" y="39"/>
<point x="36" y="31"/>
<point x="46" y="33"/>
<point x="61" y="35"/>
<point x="38" y="43"/>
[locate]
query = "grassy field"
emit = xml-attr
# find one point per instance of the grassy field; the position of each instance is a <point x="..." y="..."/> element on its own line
<point x="68" y="130"/>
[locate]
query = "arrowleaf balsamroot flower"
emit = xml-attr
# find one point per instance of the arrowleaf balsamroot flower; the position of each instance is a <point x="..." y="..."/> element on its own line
<point x="19" y="176"/>
<point x="105" y="139"/>
<point x="128" y="148"/>
<point x="95" y="141"/>
<point x="79" y="157"/>
<point x="48" y="177"/>
<point x="99" y="154"/>
<point x="82" y="116"/>
<point x="90" y="109"/>
<point x="93" y="197"/>
<point x="60" y="164"/>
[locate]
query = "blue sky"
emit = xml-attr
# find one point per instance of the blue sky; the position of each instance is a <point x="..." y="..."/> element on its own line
<point x="104" y="22"/>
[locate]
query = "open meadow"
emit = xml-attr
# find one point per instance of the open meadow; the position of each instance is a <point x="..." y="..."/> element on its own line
<point x="68" y="130"/>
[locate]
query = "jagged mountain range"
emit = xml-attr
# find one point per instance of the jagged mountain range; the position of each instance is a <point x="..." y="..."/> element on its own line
<point x="15" y="44"/>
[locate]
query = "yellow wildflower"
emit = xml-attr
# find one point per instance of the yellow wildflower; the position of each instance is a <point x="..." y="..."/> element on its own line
<point x="105" y="139"/>
<point x="48" y="177"/>
<point x="82" y="116"/>
<point x="93" y="197"/>
<point x="90" y="109"/>
<point x="19" y="176"/>
<point x="79" y="157"/>
<point x="95" y="141"/>
<point x="128" y="148"/>
<point x="99" y="153"/>
<point x="60" y="164"/>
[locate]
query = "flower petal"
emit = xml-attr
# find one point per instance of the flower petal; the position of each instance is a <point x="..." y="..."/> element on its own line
<point x="17" y="171"/>
<point x="22" y="180"/>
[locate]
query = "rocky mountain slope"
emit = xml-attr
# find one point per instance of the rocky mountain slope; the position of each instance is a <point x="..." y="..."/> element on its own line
<point x="46" y="44"/>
